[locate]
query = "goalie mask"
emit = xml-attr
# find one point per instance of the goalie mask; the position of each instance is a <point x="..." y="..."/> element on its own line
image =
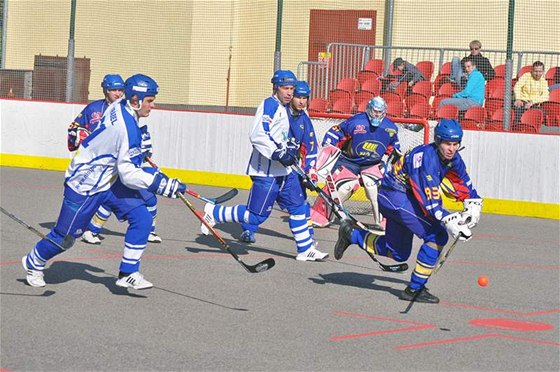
<point x="376" y="110"/>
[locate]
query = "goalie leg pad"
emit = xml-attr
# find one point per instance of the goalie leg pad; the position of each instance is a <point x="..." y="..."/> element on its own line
<point x="326" y="160"/>
<point x="371" y="177"/>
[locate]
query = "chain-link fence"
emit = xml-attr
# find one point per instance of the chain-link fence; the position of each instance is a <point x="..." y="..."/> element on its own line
<point x="219" y="55"/>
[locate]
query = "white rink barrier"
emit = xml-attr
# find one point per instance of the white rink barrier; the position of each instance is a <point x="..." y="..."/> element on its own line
<point x="506" y="168"/>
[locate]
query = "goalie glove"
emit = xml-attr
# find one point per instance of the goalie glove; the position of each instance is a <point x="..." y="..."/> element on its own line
<point x="76" y="134"/>
<point x="472" y="209"/>
<point x="165" y="186"/>
<point x="456" y="226"/>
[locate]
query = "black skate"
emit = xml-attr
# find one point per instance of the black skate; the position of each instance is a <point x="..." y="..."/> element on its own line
<point x="421" y="295"/>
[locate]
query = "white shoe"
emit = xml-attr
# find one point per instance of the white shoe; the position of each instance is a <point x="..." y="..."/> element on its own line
<point x="154" y="238"/>
<point x="208" y="217"/>
<point x="134" y="281"/>
<point x="311" y="254"/>
<point x="34" y="277"/>
<point x="91" y="238"/>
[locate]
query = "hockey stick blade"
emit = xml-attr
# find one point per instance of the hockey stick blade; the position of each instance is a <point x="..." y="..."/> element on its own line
<point x="396" y="268"/>
<point x="225" y="197"/>
<point x="258" y="268"/>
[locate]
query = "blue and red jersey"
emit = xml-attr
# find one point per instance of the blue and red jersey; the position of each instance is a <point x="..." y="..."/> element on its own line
<point x="301" y="129"/>
<point x="422" y="172"/>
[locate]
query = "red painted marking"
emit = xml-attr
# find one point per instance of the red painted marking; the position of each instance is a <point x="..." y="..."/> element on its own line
<point x="510" y="324"/>
<point x="530" y="313"/>
<point x="475" y="338"/>
<point x="415" y="326"/>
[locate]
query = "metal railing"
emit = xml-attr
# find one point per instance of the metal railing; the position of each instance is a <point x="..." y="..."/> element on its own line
<point x="346" y="60"/>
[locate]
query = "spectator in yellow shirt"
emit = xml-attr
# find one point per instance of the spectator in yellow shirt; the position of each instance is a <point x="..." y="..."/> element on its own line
<point x="530" y="90"/>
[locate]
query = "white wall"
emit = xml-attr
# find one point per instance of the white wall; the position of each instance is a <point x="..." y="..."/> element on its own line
<point x="507" y="166"/>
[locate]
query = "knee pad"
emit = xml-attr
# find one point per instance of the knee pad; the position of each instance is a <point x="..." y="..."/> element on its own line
<point x="65" y="241"/>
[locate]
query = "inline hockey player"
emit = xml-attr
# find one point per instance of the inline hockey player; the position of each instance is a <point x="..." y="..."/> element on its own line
<point x="362" y="140"/>
<point x="302" y="134"/>
<point x="270" y="170"/>
<point x="410" y="199"/>
<point x="85" y="123"/>
<point x="107" y="169"/>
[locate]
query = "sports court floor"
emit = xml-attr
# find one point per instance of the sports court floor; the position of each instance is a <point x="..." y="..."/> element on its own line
<point x="206" y="313"/>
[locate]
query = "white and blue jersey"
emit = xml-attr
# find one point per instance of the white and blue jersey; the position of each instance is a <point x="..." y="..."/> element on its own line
<point x="269" y="133"/>
<point x="112" y="150"/>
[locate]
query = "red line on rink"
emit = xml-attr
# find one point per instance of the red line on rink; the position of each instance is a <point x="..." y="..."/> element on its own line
<point x="415" y="326"/>
<point x="502" y="311"/>
<point x="474" y="338"/>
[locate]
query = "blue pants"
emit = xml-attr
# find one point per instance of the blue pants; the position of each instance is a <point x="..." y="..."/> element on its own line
<point x="77" y="211"/>
<point x="287" y="192"/>
<point x="405" y="219"/>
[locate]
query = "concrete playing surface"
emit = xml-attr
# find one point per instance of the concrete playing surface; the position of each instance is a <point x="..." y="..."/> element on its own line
<point x="206" y="313"/>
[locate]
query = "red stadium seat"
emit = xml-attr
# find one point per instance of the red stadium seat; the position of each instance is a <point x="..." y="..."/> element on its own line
<point x="492" y="104"/>
<point x="419" y="111"/>
<point x="448" y="112"/>
<point x="402" y="90"/>
<point x="435" y="105"/>
<point x="500" y="71"/>
<point x="363" y="95"/>
<point x="551" y="74"/>
<point x="391" y="97"/>
<point x="495" y="84"/>
<point x="554" y="96"/>
<point x="342" y="106"/>
<point x="530" y="122"/>
<point x="523" y="70"/>
<point x="395" y="109"/>
<point x="337" y="94"/>
<point x="366" y="75"/>
<point x="362" y="106"/>
<point x="477" y="114"/>
<point x="427" y="69"/>
<point x="375" y="65"/>
<point x="319" y="105"/>
<point x="372" y="86"/>
<point x="447" y="89"/>
<point x="413" y="99"/>
<point x="552" y="113"/>
<point x="472" y="124"/>
<point x="439" y="81"/>
<point x="496" y="121"/>
<point x="423" y="87"/>
<point x="445" y="69"/>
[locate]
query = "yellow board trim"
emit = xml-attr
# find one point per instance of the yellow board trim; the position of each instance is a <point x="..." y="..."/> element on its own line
<point x="494" y="206"/>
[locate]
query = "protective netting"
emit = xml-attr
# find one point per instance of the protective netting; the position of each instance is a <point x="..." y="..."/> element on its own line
<point x="411" y="132"/>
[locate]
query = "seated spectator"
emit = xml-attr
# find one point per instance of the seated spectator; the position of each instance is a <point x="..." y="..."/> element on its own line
<point x="473" y="94"/>
<point x="555" y="80"/>
<point x="458" y="71"/>
<point x="531" y="90"/>
<point x="410" y="74"/>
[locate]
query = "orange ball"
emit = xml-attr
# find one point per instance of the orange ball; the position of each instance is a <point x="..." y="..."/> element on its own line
<point x="483" y="280"/>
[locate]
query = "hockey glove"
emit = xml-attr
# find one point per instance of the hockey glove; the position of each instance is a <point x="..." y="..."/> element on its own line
<point x="454" y="224"/>
<point x="286" y="155"/>
<point x="165" y="186"/>
<point x="472" y="209"/>
<point x="76" y="134"/>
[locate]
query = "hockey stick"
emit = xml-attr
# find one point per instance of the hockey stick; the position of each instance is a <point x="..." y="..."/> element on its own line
<point x="260" y="267"/>
<point x="31" y="228"/>
<point x="218" y="200"/>
<point x="342" y="213"/>
<point x="442" y="258"/>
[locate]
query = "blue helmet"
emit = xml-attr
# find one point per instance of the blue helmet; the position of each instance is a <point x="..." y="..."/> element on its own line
<point x="112" y="82"/>
<point x="376" y="104"/>
<point x="141" y="86"/>
<point x="283" y="77"/>
<point x="448" y="130"/>
<point x="302" y="89"/>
